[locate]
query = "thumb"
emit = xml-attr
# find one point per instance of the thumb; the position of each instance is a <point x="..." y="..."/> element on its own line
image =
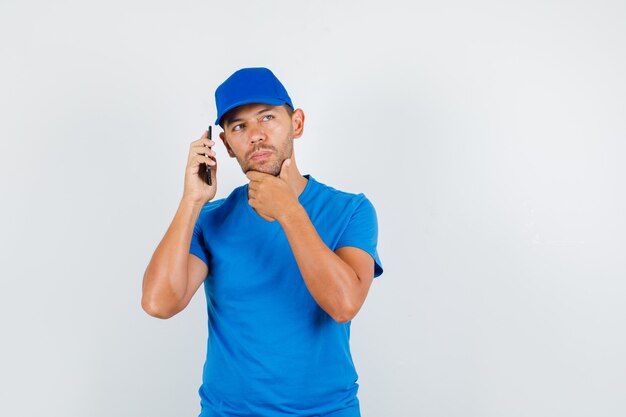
<point x="284" y="169"/>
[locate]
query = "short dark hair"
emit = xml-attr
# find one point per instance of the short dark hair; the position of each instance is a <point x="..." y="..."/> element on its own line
<point x="229" y="113"/>
<point x="289" y="109"/>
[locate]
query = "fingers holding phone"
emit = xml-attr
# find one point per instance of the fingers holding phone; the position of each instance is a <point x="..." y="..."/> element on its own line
<point x="201" y="170"/>
<point x="205" y="169"/>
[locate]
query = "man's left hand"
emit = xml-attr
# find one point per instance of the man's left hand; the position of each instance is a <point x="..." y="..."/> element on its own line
<point x="271" y="196"/>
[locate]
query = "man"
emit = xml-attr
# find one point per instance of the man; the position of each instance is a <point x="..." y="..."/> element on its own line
<point x="286" y="263"/>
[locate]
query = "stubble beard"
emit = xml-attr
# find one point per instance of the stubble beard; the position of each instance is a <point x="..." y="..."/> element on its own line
<point x="271" y="166"/>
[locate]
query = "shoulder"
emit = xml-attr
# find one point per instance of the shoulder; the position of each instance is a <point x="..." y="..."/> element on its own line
<point x="336" y="197"/>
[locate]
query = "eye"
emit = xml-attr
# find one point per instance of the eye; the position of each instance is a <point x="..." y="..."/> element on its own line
<point x="237" y="127"/>
<point x="268" y="117"/>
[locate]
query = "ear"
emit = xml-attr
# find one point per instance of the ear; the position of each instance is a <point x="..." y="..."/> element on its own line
<point x="230" y="151"/>
<point x="297" y="118"/>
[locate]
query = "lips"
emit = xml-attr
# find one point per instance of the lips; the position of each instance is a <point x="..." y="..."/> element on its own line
<point x="260" y="155"/>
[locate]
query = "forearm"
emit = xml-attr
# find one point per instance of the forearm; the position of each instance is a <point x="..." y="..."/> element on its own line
<point x="166" y="278"/>
<point x="332" y="282"/>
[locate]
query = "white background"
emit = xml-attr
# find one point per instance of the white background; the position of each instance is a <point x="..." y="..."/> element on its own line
<point x="490" y="136"/>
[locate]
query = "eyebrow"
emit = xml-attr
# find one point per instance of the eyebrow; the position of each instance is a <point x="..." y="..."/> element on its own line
<point x="238" y="119"/>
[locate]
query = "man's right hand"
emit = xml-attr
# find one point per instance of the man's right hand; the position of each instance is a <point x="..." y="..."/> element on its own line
<point x="197" y="191"/>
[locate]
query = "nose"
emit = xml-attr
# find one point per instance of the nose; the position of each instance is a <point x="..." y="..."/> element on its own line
<point x="256" y="133"/>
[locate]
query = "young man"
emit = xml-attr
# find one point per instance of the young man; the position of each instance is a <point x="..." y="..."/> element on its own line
<point x="286" y="263"/>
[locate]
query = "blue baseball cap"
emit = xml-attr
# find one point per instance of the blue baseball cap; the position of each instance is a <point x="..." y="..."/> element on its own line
<point x="249" y="85"/>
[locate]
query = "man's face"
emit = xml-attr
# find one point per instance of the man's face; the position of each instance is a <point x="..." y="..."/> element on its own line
<point x="260" y="136"/>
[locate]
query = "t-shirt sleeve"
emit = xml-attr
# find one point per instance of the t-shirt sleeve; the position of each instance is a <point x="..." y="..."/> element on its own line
<point x="197" y="246"/>
<point x="362" y="232"/>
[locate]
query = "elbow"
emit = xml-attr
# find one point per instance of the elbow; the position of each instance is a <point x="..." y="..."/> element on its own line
<point x="159" y="302"/>
<point x="345" y="307"/>
<point x="157" y="310"/>
<point x="345" y="314"/>
<point x="342" y="319"/>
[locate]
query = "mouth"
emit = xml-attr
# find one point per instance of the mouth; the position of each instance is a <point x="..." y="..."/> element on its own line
<point x="260" y="155"/>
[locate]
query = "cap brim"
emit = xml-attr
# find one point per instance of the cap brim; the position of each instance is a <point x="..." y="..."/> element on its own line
<point x="273" y="101"/>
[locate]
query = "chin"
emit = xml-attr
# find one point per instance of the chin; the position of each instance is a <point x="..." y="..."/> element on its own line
<point x="268" y="168"/>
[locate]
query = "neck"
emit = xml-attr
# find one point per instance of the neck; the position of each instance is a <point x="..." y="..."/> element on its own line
<point x="296" y="181"/>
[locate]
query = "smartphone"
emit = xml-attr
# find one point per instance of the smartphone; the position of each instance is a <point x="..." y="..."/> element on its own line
<point x="205" y="169"/>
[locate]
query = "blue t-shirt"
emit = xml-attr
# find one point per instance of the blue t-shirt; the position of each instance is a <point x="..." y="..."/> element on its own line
<point x="272" y="351"/>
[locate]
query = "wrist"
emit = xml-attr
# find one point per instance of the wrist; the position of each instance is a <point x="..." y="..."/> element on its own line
<point x="292" y="212"/>
<point x="192" y="203"/>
